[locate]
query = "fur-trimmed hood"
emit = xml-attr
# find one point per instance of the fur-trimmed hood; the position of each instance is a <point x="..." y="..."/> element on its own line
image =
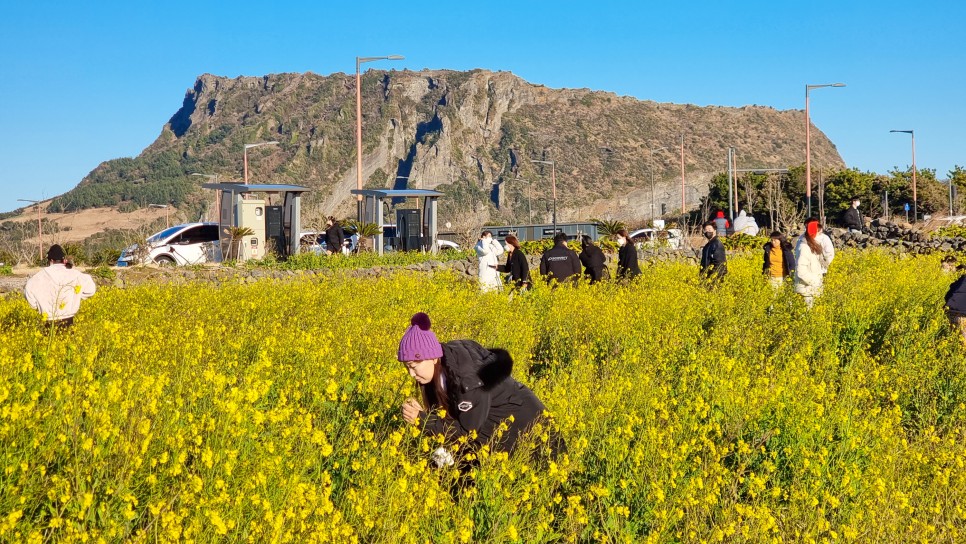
<point x="471" y="366"/>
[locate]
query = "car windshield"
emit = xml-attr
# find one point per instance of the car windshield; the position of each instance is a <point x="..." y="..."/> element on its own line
<point x="166" y="233"/>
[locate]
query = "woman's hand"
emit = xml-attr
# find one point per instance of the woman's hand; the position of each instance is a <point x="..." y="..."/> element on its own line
<point x="411" y="409"/>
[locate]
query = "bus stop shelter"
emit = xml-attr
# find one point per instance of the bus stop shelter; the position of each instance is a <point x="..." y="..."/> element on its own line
<point x="289" y="222"/>
<point x="374" y="199"/>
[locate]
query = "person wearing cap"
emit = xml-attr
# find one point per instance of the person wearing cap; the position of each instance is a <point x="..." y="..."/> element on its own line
<point x="809" y="271"/>
<point x="57" y="291"/>
<point x="473" y="388"/>
<point x="852" y="218"/>
<point x="721" y="224"/>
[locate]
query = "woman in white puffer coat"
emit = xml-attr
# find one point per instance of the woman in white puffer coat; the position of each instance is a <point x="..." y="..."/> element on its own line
<point x="488" y="251"/>
<point x="809" y="267"/>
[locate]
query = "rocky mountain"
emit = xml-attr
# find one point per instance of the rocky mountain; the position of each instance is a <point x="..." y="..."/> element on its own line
<point x="467" y="134"/>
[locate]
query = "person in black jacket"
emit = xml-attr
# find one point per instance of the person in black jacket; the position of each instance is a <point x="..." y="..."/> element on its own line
<point x="852" y="218"/>
<point x="595" y="264"/>
<point x="779" y="263"/>
<point x="626" y="256"/>
<point x="474" y="387"/>
<point x="517" y="267"/>
<point x="333" y="237"/>
<point x="956" y="298"/>
<point x="560" y="263"/>
<point x="714" y="263"/>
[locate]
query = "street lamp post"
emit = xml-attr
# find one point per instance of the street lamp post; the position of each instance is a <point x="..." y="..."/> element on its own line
<point x="553" y="183"/>
<point x="40" y="229"/>
<point x="650" y="169"/>
<point x="359" y="61"/>
<point x="808" y="154"/>
<point x="683" y="199"/>
<point x="915" y="209"/>
<point x="250" y="146"/>
<point x="529" y="201"/>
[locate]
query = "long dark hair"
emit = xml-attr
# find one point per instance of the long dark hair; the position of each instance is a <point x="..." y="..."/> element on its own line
<point x="512" y="240"/>
<point x="809" y="239"/>
<point x="434" y="392"/>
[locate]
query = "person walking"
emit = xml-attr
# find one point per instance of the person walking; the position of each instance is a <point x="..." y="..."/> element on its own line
<point x="517" y="267"/>
<point x="57" y="290"/>
<point x="488" y="252"/>
<point x="627" y="267"/>
<point x="779" y="263"/>
<point x="852" y="218"/>
<point x="473" y="385"/>
<point x="592" y="257"/>
<point x="714" y="260"/>
<point x="809" y="274"/>
<point x="560" y="263"/>
<point x="334" y="238"/>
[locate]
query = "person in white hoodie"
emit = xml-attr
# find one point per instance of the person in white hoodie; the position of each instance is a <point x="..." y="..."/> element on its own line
<point x="57" y="291"/>
<point x="809" y="263"/>
<point x="489" y="250"/>
<point x="746" y="224"/>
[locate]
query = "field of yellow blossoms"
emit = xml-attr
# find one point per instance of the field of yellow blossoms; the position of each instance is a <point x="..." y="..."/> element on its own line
<point x="269" y="412"/>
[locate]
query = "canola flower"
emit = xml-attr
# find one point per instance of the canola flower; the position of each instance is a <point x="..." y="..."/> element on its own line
<point x="269" y="412"/>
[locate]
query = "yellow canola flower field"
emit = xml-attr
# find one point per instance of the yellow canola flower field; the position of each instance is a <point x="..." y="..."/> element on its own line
<point x="269" y="412"/>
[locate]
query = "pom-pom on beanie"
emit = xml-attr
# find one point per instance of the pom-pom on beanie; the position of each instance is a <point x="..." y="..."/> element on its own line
<point x="419" y="342"/>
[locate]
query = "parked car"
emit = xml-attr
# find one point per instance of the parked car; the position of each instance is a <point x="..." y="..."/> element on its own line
<point x="190" y="243"/>
<point x="657" y="238"/>
<point x="314" y="242"/>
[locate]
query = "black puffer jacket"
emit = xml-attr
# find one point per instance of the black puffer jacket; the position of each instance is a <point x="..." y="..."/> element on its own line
<point x="956" y="296"/>
<point x="482" y="394"/>
<point x="595" y="264"/>
<point x="714" y="261"/>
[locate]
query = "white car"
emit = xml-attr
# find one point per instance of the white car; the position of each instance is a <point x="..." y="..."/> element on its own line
<point x="191" y="243"/>
<point x="655" y="238"/>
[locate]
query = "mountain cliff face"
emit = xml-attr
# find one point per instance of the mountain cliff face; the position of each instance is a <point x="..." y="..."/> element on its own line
<point x="467" y="134"/>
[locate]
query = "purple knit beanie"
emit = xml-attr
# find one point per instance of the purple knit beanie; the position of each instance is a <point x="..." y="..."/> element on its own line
<point x="418" y="342"/>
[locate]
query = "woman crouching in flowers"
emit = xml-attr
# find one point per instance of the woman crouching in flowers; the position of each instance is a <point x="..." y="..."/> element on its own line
<point x="473" y="386"/>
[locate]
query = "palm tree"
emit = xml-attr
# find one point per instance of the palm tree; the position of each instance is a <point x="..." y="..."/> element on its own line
<point x="234" y="244"/>
<point x="609" y="228"/>
<point x="365" y="231"/>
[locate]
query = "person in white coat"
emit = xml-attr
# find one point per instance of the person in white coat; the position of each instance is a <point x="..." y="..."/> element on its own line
<point x="746" y="224"/>
<point x="488" y="251"/>
<point x="828" y="249"/>
<point x="57" y="291"/>
<point x="809" y="268"/>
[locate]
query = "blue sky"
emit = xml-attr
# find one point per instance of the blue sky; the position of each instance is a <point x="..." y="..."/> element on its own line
<point x="91" y="81"/>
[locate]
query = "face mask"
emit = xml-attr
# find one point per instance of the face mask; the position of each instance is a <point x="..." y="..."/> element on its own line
<point x="487" y="239"/>
<point x="709" y="235"/>
<point x="621" y="241"/>
<point x="509" y="247"/>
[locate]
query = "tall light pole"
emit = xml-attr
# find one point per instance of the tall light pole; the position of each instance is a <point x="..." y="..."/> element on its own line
<point x="808" y="151"/>
<point x="40" y="229"/>
<point x="650" y="169"/>
<point x="359" y="61"/>
<point x="912" y="133"/>
<point x="553" y="182"/>
<point x="529" y="201"/>
<point x="683" y="199"/>
<point x="250" y="146"/>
